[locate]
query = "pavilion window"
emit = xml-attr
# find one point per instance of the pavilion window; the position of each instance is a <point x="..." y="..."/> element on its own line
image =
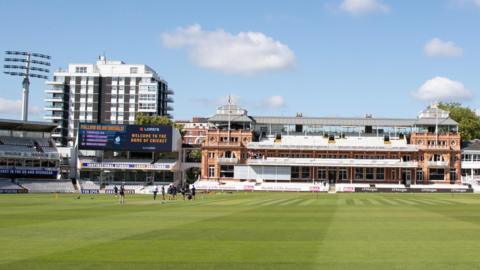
<point x="380" y="174"/>
<point x="322" y="173"/>
<point x="437" y="174"/>
<point x="343" y="174"/>
<point x="369" y="173"/>
<point x="305" y="172"/>
<point x="359" y="174"/>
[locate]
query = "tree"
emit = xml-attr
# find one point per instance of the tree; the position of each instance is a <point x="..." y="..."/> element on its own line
<point x="468" y="121"/>
<point x="143" y="119"/>
<point x="192" y="175"/>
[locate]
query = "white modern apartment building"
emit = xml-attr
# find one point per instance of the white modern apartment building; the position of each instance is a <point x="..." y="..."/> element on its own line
<point x="109" y="92"/>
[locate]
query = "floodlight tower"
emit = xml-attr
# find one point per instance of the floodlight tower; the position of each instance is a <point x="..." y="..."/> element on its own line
<point x="27" y="62"/>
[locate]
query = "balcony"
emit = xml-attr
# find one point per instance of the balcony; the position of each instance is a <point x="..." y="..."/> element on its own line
<point x="170" y="92"/>
<point x="470" y="164"/>
<point x="437" y="164"/>
<point x="53" y="99"/>
<point x="433" y="147"/>
<point x="324" y="162"/>
<point x="54" y="83"/>
<point x="54" y="91"/>
<point x="54" y="108"/>
<point x="227" y="161"/>
<point x="53" y="117"/>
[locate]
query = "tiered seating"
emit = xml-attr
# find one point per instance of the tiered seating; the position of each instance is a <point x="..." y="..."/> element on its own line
<point x="43" y="186"/>
<point x="17" y="148"/>
<point x="43" y="142"/>
<point x="89" y="185"/>
<point x="7" y="184"/>
<point x="17" y="141"/>
<point x="49" y="149"/>
<point x="19" y="144"/>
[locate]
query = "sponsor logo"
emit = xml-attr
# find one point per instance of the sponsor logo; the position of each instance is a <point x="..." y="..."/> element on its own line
<point x="149" y="129"/>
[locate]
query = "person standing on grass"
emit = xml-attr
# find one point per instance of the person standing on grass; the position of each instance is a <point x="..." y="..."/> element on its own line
<point x="169" y="191"/>
<point x="115" y="190"/>
<point x="183" y="191"/>
<point x="174" y="192"/>
<point x="193" y="192"/>
<point x="163" y="193"/>
<point x="122" y="195"/>
<point x="155" y="191"/>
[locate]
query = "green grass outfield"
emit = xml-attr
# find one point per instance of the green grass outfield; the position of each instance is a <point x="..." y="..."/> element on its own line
<point x="241" y="231"/>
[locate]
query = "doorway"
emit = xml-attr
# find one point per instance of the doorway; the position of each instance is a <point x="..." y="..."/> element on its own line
<point x="406" y="177"/>
<point x="332" y="176"/>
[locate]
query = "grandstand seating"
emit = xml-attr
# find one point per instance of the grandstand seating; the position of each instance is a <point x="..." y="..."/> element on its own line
<point x="19" y="144"/>
<point x="7" y="184"/>
<point x="17" y="148"/>
<point x="43" y="142"/>
<point x="42" y="186"/>
<point x="89" y="185"/>
<point x="49" y="149"/>
<point x="16" y="141"/>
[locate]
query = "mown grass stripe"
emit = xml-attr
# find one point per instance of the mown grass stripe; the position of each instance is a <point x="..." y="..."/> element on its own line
<point x="274" y="202"/>
<point x="375" y="202"/>
<point x="407" y="202"/>
<point x="307" y="202"/>
<point x="422" y="201"/>
<point x="385" y="201"/>
<point x="290" y="202"/>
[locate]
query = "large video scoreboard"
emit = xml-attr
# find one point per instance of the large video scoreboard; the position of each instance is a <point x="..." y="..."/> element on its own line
<point x="135" y="138"/>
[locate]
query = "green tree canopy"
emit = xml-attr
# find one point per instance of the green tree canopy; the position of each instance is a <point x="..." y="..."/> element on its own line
<point x="144" y="119"/>
<point x="468" y="121"/>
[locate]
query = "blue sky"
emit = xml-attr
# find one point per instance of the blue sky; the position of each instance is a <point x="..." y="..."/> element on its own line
<point x="322" y="58"/>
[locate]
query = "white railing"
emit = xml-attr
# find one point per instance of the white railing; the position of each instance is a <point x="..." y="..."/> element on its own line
<point x="472" y="180"/>
<point x="470" y="164"/>
<point x="223" y="160"/>
<point x="393" y="163"/>
<point x="256" y="145"/>
<point x="437" y="163"/>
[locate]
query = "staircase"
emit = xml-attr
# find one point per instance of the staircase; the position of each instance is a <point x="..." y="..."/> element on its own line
<point x="331" y="188"/>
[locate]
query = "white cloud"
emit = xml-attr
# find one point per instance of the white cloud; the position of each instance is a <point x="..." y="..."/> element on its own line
<point x="14" y="107"/>
<point x="242" y="53"/>
<point x="438" y="47"/>
<point x="465" y="3"/>
<point x="442" y="89"/>
<point x="359" y="7"/>
<point x="273" y="102"/>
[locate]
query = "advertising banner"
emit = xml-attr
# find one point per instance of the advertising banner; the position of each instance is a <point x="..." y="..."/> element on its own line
<point x="136" y="138"/>
<point x="28" y="172"/>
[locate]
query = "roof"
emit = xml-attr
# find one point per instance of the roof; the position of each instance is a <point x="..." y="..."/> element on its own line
<point x="17" y="125"/>
<point x="471" y="145"/>
<point x="232" y="118"/>
<point x="351" y="121"/>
